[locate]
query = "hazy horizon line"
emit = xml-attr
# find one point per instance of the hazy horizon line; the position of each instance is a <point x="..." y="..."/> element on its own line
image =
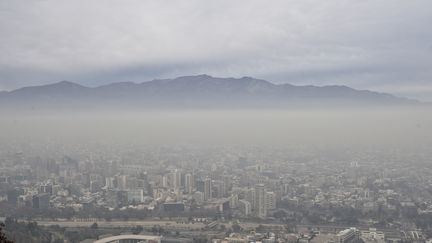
<point x="210" y="76"/>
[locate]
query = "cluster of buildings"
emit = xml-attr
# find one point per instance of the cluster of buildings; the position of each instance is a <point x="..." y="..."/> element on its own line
<point x="348" y="235"/>
<point x="270" y="186"/>
<point x="70" y="184"/>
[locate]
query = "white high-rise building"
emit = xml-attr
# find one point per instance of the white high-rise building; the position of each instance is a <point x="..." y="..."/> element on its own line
<point x="250" y="197"/>
<point x="260" y="201"/>
<point x="165" y="181"/>
<point x="176" y="179"/>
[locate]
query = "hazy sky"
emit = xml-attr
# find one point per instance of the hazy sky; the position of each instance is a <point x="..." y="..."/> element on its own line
<point x="383" y="45"/>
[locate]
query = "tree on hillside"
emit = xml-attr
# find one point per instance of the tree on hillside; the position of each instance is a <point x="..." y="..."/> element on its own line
<point x="3" y="238"/>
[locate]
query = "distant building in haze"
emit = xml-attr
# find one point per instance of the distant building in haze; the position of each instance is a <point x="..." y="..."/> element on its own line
<point x="260" y="201"/>
<point x="207" y="189"/>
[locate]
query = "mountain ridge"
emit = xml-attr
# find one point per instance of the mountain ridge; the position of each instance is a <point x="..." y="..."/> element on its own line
<point x="193" y="91"/>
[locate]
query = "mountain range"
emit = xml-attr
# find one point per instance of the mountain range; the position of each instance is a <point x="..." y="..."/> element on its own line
<point x="201" y="91"/>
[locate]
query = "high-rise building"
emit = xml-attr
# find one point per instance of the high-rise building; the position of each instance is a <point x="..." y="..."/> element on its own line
<point x="270" y="200"/>
<point x="189" y="183"/>
<point x="260" y="201"/>
<point x="165" y="181"/>
<point x="199" y="185"/>
<point x="12" y="196"/>
<point x="219" y="189"/>
<point x="227" y="183"/>
<point x="176" y="179"/>
<point x="233" y="201"/>
<point x="207" y="189"/>
<point x="109" y="182"/>
<point x="250" y="197"/>
<point x="245" y="207"/>
<point x="121" y="182"/>
<point x="41" y="201"/>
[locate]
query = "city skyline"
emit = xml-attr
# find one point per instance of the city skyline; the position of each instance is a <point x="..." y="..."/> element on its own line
<point x="172" y="121"/>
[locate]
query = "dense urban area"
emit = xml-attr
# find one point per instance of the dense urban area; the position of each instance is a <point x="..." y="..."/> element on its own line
<point x="216" y="194"/>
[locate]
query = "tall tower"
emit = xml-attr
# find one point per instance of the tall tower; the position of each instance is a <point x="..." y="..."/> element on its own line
<point x="260" y="201"/>
<point x="227" y="183"/>
<point x="207" y="189"/>
<point x="165" y="181"/>
<point x="189" y="183"/>
<point x="176" y="179"/>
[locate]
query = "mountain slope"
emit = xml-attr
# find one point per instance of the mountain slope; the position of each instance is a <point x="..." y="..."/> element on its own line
<point x="200" y="91"/>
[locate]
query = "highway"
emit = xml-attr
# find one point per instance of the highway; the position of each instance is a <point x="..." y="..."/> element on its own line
<point x="174" y="225"/>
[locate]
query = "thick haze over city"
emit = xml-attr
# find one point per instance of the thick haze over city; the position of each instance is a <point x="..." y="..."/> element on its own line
<point x="299" y="121"/>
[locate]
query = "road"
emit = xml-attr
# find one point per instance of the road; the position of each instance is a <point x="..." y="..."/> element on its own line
<point x="123" y="224"/>
<point x="174" y="225"/>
